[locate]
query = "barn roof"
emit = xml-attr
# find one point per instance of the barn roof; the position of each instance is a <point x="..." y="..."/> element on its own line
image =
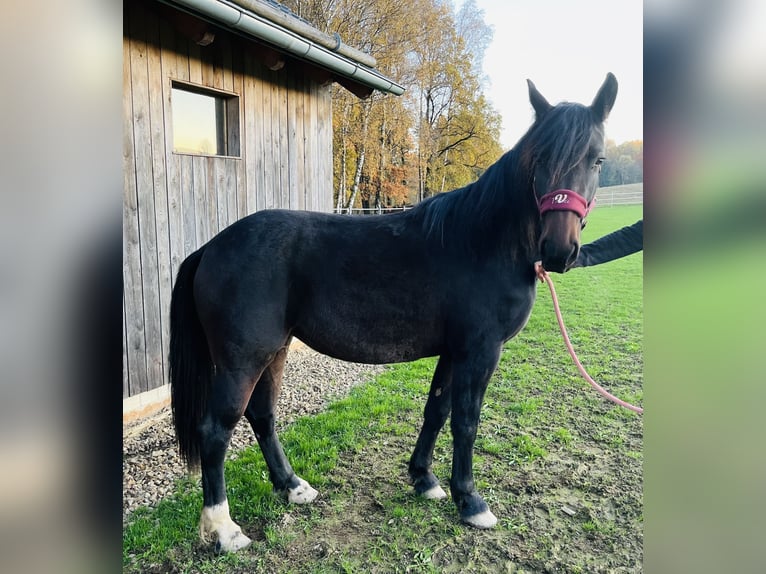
<point x="270" y="23"/>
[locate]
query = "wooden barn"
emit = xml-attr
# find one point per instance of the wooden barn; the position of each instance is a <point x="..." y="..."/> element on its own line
<point x="226" y="110"/>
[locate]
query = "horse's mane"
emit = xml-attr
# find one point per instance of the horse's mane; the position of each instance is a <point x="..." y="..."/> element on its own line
<point x="500" y="206"/>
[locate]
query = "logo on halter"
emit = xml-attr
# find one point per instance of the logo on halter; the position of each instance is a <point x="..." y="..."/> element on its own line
<point x="564" y="200"/>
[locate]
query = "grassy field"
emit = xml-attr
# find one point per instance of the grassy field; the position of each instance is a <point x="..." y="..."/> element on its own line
<point x="559" y="466"/>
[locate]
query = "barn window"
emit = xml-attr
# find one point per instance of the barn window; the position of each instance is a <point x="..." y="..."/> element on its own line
<point x="205" y="121"/>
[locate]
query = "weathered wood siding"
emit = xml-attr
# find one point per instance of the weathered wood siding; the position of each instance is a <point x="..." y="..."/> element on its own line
<point x="173" y="203"/>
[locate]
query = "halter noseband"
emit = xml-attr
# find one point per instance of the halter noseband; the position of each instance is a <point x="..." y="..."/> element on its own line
<point x="565" y="200"/>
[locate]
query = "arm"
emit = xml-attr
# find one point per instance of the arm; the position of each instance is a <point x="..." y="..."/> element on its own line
<point x="620" y="243"/>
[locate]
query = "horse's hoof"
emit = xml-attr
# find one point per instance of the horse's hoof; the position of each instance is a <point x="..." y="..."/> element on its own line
<point x="215" y="523"/>
<point x="435" y="493"/>
<point x="236" y="541"/>
<point x="301" y="494"/>
<point x="483" y="520"/>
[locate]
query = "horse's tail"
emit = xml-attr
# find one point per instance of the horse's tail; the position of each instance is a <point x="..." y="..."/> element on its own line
<point x="190" y="363"/>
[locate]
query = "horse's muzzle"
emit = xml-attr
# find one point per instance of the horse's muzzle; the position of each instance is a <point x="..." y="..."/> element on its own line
<point x="558" y="257"/>
<point x="559" y="240"/>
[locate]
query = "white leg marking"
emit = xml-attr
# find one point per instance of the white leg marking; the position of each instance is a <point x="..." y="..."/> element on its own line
<point x="216" y="520"/>
<point x="482" y="520"/>
<point x="435" y="493"/>
<point x="301" y="494"/>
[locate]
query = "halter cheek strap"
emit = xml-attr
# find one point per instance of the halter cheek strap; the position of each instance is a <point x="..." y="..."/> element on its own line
<point x="565" y="200"/>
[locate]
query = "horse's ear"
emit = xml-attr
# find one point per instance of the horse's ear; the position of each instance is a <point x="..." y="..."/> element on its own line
<point x="604" y="100"/>
<point x="539" y="103"/>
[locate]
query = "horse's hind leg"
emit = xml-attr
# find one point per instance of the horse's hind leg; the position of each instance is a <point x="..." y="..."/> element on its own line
<point x="228" y="397"/>
<point x="436" y="412"/>
<point x="260" y="415"/>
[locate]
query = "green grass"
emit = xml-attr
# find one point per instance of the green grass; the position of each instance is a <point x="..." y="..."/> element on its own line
<point x="545" y="439"/>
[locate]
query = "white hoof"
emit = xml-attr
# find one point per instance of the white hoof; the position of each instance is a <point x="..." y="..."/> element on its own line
<point x="301" y="494"/>
<point x="435" y="493"/>
<point x="216" y="524"/>
<point x="237" y="541"/>
<point x="482" y="520"/>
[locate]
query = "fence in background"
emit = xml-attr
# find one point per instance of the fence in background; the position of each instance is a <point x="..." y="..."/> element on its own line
<point x="629" y="194"/>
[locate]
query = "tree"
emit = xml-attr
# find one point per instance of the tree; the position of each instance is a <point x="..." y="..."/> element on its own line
<point x="442" y="134"/>
<point x="458" y="131"/>
<point x="624" y="163"/>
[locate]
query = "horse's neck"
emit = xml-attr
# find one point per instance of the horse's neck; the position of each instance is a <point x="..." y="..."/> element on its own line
<point x="510" y="215"/>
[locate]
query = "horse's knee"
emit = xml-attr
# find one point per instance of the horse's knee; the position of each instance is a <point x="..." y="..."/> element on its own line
<point x="463" y="430"/>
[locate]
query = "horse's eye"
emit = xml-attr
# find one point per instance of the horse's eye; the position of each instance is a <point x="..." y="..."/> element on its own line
<point x="600" y="160"/>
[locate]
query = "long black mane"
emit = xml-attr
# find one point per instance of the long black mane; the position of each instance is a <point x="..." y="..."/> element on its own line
<point x="501" y="203"/>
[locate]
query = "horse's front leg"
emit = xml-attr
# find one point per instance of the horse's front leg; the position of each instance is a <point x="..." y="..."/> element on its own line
<point x="470" y="378"/>
<point x="435" y="415"/>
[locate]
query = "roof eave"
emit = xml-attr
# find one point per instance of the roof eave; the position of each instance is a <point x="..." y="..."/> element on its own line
<point x="245" y="22"/>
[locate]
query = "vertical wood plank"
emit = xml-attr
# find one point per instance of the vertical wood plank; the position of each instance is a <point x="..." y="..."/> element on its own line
<point x="284" y="151"/>
<point x="125" y="363"/>
<point x="195" y="63"/>
<point x="216" y="60"/>
<point x="131" y="262"/>
<point x="248" y="107"/>
<point x="211" y="195"/>
<point x="220" y="191"/>
<point x="207" y="66"/>
<point x="171" y="61"/>
<point x="186" y="180"/>
<point x="231" y="167"/>
<point x="227" y="62"/>
<point x="183" y="71"/>
<point x="299" y="182"/>
<point x="257" y="185"/>
<point x="160" y="187"/>
<point x="312" y="147"/>
<point x="269" y="144"/>
<point x="292" y="143"/>
<point x="199" y="180"/>
<point x="238" y="87"/>
<point x="324" y="156"/>
<point x="139" y="71"/>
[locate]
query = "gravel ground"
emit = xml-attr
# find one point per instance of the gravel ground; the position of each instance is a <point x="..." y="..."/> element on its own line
<point x="150" y="460"/>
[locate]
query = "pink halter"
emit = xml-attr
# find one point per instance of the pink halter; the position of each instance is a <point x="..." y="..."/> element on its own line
<point x="565" y="200"/>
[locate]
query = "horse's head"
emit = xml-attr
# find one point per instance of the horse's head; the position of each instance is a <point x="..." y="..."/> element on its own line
<point x="566" y="148"/>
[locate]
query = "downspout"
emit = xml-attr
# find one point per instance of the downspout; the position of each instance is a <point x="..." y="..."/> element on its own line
<point x="251" y="24"/>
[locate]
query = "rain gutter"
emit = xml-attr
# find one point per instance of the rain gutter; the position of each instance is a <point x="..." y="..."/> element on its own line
<point x="246" y="22"/>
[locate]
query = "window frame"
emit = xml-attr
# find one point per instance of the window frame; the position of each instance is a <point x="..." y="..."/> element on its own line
<point x="228" y="114"/>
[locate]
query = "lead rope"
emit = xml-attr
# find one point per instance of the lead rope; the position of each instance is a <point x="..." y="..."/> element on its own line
<point x="544" y="277"/>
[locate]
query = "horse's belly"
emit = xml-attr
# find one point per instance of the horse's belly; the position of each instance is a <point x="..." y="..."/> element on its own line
<point x="373" y="341"/>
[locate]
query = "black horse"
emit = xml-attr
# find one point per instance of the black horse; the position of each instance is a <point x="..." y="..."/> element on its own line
<point x="452" y="277"/>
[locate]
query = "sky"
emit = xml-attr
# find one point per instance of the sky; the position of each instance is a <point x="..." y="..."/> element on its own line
<point x="566" y="47"/>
